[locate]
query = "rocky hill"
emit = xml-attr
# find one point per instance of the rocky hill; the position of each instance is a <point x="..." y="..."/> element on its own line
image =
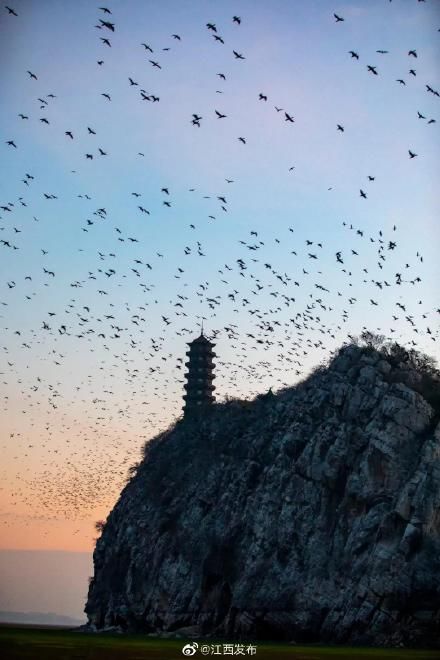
<point x="308" y="515"/>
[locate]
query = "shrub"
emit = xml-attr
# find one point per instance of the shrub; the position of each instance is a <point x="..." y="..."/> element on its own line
<point x="407" y="364"/>
<point x="372" y="340"/>
<point x="132" y="470"/>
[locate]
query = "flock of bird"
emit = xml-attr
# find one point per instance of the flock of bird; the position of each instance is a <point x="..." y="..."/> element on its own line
<point x="86" y="380"/>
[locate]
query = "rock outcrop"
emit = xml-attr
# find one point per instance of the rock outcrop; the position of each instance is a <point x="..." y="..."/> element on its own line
<point x="309" y="515"/>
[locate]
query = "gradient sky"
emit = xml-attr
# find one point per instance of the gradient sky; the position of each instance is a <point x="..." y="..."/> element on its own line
<point x="76" y="406"/>
<point x="44" y="581"/>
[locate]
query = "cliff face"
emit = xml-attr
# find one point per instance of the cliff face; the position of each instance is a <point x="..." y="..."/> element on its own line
<point x="312" y="515"/>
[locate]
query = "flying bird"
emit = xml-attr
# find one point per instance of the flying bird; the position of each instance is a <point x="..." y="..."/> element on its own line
<point x="339" y="19"/>
<point x="433" y="91"/>
<point x="109" y="26"/>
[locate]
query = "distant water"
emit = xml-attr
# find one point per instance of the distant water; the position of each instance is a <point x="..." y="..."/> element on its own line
<point x="39" y="618"/>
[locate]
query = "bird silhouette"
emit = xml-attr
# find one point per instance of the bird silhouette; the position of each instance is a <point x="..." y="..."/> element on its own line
<point x="106" y="24"/>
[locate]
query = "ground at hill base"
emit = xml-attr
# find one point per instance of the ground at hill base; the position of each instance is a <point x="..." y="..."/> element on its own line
<point x="22" y="643"/>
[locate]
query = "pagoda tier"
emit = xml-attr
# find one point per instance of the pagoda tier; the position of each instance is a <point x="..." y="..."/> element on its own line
<point x="199" y="386"/>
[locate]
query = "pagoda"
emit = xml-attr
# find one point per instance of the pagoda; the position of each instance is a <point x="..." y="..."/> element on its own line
<point x="199" y="377"/>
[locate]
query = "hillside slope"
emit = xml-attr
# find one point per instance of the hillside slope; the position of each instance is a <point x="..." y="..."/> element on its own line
<point x="309" y="515"/>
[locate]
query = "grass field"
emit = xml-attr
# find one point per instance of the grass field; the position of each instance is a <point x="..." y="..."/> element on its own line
<point x="21" y="643"/>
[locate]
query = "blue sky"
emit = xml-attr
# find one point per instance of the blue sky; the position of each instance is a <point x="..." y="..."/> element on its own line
<point x="298" y="56"/>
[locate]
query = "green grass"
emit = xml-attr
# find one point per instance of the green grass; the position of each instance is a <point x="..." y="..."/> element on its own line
<point x="25" y="643"/>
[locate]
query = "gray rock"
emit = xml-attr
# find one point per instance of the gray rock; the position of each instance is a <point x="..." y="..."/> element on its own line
<point x="312" y="516"/>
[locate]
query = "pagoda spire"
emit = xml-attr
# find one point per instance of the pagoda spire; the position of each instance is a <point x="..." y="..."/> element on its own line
<point x="199" y="377"/>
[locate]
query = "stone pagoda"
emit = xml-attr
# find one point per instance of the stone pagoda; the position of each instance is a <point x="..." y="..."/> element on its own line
<point x="199" y="377"/>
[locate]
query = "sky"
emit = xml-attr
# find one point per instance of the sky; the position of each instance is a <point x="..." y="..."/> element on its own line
<point x="44" y="581"/>
<point x="123" y="222"/>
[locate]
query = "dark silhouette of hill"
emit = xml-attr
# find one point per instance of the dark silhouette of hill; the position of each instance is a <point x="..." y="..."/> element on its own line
<point x="312" y="514"/>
